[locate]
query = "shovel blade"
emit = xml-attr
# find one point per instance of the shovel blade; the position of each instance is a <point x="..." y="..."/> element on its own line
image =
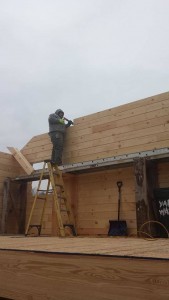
<point x="117" y="228"/>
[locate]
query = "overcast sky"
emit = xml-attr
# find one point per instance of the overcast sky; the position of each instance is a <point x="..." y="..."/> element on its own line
<point x="82" y="56"/>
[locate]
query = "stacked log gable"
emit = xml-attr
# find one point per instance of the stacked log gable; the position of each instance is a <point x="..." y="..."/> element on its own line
<point x="134" y="127"/>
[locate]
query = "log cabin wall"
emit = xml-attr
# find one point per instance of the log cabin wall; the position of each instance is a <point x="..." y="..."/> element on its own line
<point x="98" y="200"/>
<point x="50" y="226"/>
<point x="94" y="199"/>
<point x="133" y="127"/>
<point x="47" y="220"/>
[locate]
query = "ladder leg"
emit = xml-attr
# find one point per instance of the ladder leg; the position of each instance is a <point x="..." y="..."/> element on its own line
<point x="56" y="202"/>
<point x="44" y="206"/>
<point x="68" y="206"/>
<point x="57" y="180"/>
<point x="34" y="202"/>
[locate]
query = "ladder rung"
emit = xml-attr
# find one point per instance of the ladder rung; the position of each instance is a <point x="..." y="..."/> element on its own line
<point x="60" y="197"/>
<point x="56" y="191"/>
<point x="41" y="198"/>
<point x="56" y="173"/>
<point x="49" y="191"/>
<point x="60" y="185"/>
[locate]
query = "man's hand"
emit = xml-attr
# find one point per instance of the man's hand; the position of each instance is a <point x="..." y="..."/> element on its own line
<point x="70" y="122"/>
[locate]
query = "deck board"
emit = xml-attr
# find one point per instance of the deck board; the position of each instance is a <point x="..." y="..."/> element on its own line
<point x="109" y="246"/>
<point x="41" y="268"/>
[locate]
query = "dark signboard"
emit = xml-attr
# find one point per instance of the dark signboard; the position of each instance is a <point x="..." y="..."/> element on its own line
<point x="161" y="209"/>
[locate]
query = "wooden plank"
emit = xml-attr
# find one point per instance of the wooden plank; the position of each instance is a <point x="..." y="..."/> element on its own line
<point x="9" y="167"/>
<point x="121" y="133"/>
<point x="145" y="116"/>
<point x="152" y="108"/>
<point x="116" y="152"/>
<point x="82" y="277"/>
<point x="115" y="148"/>
<point x="112" y="246"/>
<point x="130" y="123"/>
<point x="95" y="148"/>
<point x="88" y="156"/>
<point x="118" y="126"/>
<point x="129" y="214"/>
<point x="98" y="199"/>
<point x="21" y="160"/>
<point x="122" y="108"/>
<point x="79" y="157"/>
<point x="5" y="155"/>
<point x="103" y="223"/>
<point x="105" y="207"/>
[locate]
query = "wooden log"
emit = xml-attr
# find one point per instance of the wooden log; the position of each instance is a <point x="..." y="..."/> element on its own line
<point x="21" y="160"/>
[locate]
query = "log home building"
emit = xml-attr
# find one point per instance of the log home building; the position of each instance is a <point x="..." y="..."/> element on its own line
<point x="128" y="144"/>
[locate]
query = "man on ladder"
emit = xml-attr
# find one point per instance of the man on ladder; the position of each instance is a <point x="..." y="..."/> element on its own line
<point x="57" y="129"/>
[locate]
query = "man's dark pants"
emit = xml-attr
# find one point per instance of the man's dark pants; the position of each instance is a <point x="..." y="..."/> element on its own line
<point x="57" y="140"/>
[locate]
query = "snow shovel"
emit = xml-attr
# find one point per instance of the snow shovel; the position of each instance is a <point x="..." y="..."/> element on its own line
<point x="118" y="228"/>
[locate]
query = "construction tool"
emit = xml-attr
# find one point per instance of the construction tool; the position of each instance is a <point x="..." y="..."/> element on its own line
<point x="118" y="228"/>
<point x="61" y="203"/>
<point x="67" y="120"/>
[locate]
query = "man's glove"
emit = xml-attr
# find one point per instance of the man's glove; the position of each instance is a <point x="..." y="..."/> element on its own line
<point x="69" y="123"/>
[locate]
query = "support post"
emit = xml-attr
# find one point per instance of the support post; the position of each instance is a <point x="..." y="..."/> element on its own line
<point x="14" y="207"/>
<point x="142" y="205"/>
<point x="5" y="205"/>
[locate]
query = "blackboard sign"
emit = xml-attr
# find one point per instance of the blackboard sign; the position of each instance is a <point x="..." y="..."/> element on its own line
<point x="161" y="209"/>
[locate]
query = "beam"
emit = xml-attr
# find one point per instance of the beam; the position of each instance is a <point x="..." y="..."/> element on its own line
<point x="21" y="160"/>
<point x="115" y="160"/>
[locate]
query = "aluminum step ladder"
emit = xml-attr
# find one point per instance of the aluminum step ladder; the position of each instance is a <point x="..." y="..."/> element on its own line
<point x="55" y="181"/>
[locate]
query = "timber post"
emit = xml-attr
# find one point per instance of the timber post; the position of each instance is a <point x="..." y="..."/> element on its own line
<point x="142" y="205"/>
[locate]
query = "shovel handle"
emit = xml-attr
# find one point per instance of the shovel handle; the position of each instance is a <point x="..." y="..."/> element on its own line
<point x="119" y="185"/>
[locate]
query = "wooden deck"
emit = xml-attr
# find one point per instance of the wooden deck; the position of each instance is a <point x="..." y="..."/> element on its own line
<point x="109" y="246"/>
<point x="83" y="268"/>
